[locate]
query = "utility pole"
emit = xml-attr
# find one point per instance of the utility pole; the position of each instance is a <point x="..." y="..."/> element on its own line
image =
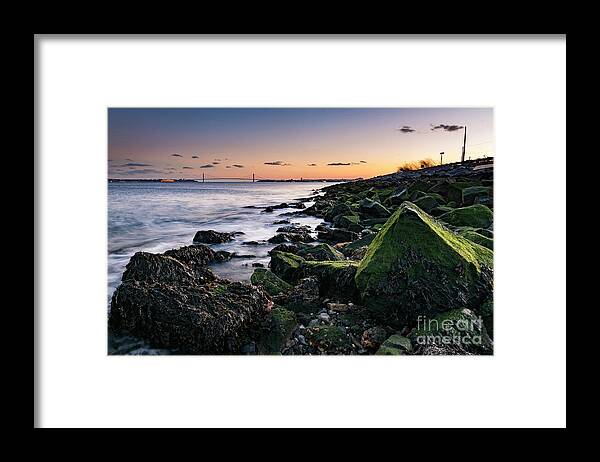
<point x="253" y="178"/>
<point x="464" y="146"/>
<point x="203" y="178"/>
<point x="441" y="157"/>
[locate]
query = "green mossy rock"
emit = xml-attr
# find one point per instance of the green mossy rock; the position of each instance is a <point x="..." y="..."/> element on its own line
<point x="477" y="238"/>
<point x="416" y="266"/>
<point x="269" y="281"/>
<point x="475" y="216"/>
<point x="395" y="345"/>
<point x="454" y="332"/>
<point x="281" y="325"/>
<point x="286" y="266"/>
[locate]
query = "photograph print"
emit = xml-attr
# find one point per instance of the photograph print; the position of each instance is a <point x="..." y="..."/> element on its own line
<point x="300" y="231"/>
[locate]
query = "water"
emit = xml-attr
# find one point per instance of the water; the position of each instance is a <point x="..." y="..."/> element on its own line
<point x="155" y="217"/>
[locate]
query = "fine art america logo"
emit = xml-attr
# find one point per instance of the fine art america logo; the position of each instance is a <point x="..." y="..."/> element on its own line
<point x="462" y="331"/>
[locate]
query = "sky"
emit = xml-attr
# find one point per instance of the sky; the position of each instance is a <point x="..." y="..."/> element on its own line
<point x="285" y="143"/>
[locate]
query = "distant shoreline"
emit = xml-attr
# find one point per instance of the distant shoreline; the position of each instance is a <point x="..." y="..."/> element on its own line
<point x="183" y="180"/>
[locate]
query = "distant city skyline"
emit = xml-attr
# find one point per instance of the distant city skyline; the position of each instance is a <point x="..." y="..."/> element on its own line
<point x="286" y="143"/>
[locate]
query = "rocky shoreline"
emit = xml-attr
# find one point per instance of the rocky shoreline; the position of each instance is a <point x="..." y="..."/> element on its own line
<point x="402" y="264"/>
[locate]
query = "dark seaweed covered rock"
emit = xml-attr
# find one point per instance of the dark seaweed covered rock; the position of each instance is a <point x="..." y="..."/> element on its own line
<point x="196" y="256"/>
<point x="182" y="266"/>
<point x="213" y="237"/>
<point x="416" y="266"/>
<point x="213" y="318"/>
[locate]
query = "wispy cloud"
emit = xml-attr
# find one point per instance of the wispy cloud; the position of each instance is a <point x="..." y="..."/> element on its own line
<point x="447" y="128"/>
<point x="312" y="165"/>
<point x="188" y="168"/>
<point x="277" y="162"/>
<point x="207" y="166"/>
<point x="144" y="171"/>
<point x="335" y="164"/>
<point x="136" y="164"/>
<point x="406" y="129"/>
<point x="216" y="163"/>
<point x="363" y="161"/>
<point x="238" y="166"/>
<point x="195" y="157"/>
<point x="218" y="159"/>
<point x="176" y="155"/>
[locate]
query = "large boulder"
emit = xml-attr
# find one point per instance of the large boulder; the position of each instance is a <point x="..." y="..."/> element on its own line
<point x="416" y="266"/>
<point x="269" y="281"/>
<point x="475" y="216"/>
<point x="213" y="318"/>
